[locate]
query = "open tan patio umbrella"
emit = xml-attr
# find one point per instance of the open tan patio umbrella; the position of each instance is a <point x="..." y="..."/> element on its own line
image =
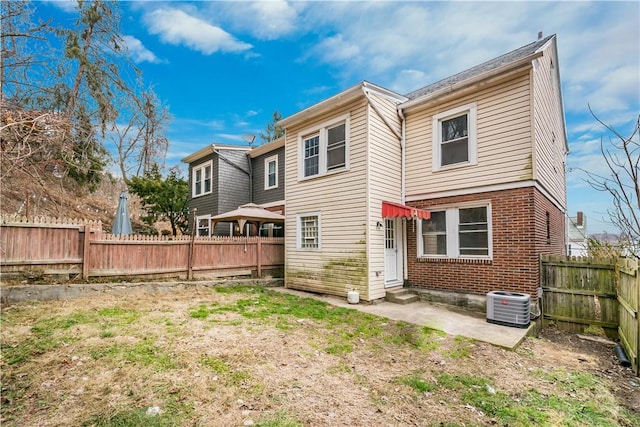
<point x="248" y="213"/>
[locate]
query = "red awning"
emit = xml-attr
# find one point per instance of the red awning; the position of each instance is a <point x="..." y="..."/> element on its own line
<point x="395" y="210"/>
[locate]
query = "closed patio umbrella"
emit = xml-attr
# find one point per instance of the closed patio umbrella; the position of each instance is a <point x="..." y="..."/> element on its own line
<point x="122" y="223"/>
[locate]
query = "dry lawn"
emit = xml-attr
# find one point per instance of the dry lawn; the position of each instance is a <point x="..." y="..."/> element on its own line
<point x="250" y="356"/>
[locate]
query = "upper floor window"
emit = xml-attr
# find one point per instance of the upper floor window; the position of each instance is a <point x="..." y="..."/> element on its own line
<point x="271" y="172"/>
<point x="454" y="138"/>
<point x="325" y="149"/>
<point x="457" y="232"/>
<point x="312" y="155"/>
<point x="202" y="179"/>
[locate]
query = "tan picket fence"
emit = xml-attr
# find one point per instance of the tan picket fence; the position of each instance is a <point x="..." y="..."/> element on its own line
<point x="50" y="246"/>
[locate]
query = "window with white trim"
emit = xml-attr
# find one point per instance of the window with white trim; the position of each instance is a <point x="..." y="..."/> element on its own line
<point x="456" y="232"/>
<point x="325" y="149"/>
<point x="454" y="140"/>
<point x="201" y="176"/>
<point x="271" y="172"/>
<point x="308" y="231"/>
<point x="203" y="225"/>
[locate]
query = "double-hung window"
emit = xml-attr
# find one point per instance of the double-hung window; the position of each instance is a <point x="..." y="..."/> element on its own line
<point x="454" y="138"/>
<point x="312" y="155"/>
<point x="271" y="172"/>
<point x="201" y="176"/>
<point x="336" y="145"/>
<point x="456" y="232"/>
<point x="308" y="231"/>
<point x="325" y="148"/>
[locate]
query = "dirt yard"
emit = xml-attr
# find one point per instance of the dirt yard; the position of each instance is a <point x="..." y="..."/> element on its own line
<point x="249" y="356"/>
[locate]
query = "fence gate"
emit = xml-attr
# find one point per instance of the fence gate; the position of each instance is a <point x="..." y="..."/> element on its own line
<point x="629" y="299"/>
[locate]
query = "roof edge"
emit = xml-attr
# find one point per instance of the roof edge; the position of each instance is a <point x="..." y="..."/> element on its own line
<point x="210" y="149"/>
<point x="520" y="63"/>
<point x="266" y="148"/>
<point x="343" y="97"/>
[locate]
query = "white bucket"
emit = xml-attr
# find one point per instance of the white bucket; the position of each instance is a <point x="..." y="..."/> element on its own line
<point x="353" y="297"/>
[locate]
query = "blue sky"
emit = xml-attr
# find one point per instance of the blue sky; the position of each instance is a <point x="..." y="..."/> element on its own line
<point x="224" y="67"/>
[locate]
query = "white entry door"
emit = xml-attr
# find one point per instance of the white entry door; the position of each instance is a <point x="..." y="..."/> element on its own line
<point x="390" y="251"/>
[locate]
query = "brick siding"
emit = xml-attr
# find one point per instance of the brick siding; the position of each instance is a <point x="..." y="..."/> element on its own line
<point x="519" y="230"/>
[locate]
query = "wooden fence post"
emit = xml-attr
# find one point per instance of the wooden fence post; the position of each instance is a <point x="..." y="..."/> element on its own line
<point x="191" y="245"/>
<point x="259" y="256"/>
<point x="85" y="251"/>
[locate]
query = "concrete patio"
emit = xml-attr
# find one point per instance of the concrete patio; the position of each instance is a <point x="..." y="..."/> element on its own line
<point x="463" y="323"/>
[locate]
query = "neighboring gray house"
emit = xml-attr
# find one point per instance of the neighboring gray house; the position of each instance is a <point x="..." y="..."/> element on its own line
<point x="577" y="235"/>
<point x="224" y="177"/>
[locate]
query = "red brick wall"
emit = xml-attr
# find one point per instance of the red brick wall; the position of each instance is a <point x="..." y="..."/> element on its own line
<point x="519" y="230"/>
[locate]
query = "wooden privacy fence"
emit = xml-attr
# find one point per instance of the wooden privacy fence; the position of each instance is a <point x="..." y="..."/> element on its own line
<point x="54" y="246"/>
<point x="580" y="292"/>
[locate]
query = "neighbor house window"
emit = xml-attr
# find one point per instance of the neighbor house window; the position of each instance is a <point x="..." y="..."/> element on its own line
<point x="202" y="179"/>
<point x="308" y="231"/>
<point x="325" y="148"/>
<point x="203" y="224"/>
<point x="454" y="138"/>
<point x="271" y="172"/>
<point x="456" y="232"/>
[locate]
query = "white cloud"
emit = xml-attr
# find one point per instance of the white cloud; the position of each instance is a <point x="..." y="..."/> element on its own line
<point x="138" y="52"/>
<point x="265" y="20"/>
<point x="336" y="50"/>
<point x="176" y="27"/>
<point x="272" y="19"/>
<point x="66" y="5"/>
<point x="409" y="80"/>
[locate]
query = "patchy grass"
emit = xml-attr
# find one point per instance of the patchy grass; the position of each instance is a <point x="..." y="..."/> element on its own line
<point x="247" y="355"/>
<point x="417" y="383"/>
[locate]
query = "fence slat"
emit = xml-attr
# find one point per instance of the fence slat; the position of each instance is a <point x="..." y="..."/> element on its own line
<point x="579" y="292"/>
<point x="69" y="246"/>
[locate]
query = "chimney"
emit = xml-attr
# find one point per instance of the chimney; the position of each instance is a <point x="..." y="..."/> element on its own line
<point x="579" y="220"/>
<point x="539" y="35"/>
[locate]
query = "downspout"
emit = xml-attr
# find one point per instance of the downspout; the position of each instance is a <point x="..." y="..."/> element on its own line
<point x="403" y="142"/>
<point x="250" y="179"/>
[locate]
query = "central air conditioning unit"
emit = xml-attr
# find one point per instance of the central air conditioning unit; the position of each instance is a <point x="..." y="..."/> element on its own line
<point x="509" y="309"/>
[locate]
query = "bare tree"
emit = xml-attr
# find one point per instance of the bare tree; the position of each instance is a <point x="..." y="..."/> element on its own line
<point x="273" y="130"/>
<point x="622" y="157"/>
<point x="139" y="136"/>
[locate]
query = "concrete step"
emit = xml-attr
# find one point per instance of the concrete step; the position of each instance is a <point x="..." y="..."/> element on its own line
<point x="401" y="296"/>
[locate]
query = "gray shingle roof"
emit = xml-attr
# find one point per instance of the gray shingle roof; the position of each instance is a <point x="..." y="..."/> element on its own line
<point x="492" y="64"/>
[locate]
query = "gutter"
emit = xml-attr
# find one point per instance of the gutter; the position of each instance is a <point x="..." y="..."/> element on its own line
<point x="379" y="113"/>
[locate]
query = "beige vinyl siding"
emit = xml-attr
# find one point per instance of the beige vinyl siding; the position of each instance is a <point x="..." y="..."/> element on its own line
<point x="384" y="184"/>
<point x="340" y="197"/>
<point x="548" y="127"/>
<point x="503" y="140"/>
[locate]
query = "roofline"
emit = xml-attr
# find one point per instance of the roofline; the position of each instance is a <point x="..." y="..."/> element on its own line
<point x="520" y="63"/>
<point x="210" y="149"/>
<point x="266" y="148"/>
<point x="553" y="41"/>
<point x="343" y="97"/>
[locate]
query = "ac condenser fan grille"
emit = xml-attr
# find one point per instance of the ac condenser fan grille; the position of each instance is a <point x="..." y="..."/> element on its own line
<point x="509" y="308"/>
